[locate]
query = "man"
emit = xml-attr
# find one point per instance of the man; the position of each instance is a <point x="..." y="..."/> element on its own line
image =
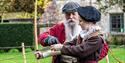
<point x="64" y="31"/>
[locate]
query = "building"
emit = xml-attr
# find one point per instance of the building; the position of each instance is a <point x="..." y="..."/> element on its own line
<point x="112" y="20"/>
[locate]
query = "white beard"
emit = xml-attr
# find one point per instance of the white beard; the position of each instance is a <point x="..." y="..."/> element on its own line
<point x="71" y="31"/>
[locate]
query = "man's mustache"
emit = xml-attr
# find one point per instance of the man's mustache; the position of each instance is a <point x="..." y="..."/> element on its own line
<point x="70" y="20"/>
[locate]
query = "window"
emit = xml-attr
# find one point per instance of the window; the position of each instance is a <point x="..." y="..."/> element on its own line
<point x="116" y="23"/>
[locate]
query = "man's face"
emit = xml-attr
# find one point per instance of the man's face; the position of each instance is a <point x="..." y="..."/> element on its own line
<point x="72" y="18"/>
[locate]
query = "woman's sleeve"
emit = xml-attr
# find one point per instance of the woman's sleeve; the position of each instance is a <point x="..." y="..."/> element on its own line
<point x="84" y="49"/>
<point x="73" y="42"/>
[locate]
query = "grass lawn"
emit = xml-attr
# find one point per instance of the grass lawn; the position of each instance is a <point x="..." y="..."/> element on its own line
<point x="119" y="53"/>
<point x="18" y="58"/>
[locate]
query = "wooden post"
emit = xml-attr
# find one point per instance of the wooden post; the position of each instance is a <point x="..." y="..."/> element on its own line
<point x="23" y="51"/>
<point x="107" y="59"/>
<point x="35" y="26"/>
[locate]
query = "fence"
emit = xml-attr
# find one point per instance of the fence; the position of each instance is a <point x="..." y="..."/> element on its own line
<point x="24" y="56"/>
<point x="17" y="56"/>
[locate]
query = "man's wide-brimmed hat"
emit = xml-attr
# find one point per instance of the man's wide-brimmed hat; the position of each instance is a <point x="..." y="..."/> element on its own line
<point x="89" y="14"/>
<point x="70" y="7"/>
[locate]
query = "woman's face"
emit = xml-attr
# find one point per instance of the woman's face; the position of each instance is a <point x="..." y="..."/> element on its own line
<point x="83" y="24"/>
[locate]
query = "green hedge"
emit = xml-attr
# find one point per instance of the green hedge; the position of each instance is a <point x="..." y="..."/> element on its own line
<point x="117" y="39"/>
<point x="13" y="34"/>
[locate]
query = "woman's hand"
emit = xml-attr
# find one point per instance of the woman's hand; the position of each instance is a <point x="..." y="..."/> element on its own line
<point x="55" y="52"/>
<point x="56" y="47"/>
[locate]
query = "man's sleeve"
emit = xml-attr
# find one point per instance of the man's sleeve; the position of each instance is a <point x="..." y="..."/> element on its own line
<point x="84" y="49"/>
<point x="43" y="36"/>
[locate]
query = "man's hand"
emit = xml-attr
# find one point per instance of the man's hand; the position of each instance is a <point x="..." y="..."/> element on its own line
<point x="56" y="47"/>
<point x="50" y="40"/>
<point x="38" y="54"/>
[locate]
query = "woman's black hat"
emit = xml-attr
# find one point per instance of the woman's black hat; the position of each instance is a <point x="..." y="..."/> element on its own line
<point x="89" y="13"/>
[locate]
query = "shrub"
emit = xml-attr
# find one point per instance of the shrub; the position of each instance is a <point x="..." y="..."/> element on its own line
<point x="117" y="40"/>
<point x="13" y="51"/>
<point x="13" y="34"/>
<point x="1" y="51"/>
<point x="28" y="50"/>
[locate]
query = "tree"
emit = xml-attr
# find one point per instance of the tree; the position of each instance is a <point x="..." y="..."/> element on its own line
<point x="104" y="4"/>
<point x="22" y="5"/>
<point x="51" y="13"/>
<point x="4" y="5"/>
<point x="26" y="6"/>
